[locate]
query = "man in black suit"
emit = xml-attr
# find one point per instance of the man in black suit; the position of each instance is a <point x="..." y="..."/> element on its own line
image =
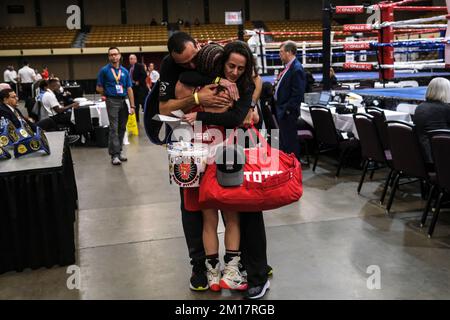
<point x="289" y="91"/>
<point x="138" y="76"/>
<point x="9" y="110"/>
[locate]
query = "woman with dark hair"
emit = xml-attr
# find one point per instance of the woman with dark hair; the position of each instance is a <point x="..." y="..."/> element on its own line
<point x="237" y="67"/>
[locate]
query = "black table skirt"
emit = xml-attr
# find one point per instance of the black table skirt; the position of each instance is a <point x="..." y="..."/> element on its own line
<point x="37" y="215"/>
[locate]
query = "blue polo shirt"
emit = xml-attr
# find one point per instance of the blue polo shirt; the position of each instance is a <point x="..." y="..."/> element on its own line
<point x="107" y="80"/>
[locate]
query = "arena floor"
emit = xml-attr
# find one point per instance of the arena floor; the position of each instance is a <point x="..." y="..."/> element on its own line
<point x="131" y="245"/>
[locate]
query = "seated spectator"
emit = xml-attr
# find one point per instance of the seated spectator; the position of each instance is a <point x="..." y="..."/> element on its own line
<point x="196" y="22"/>
<point x="4" y="86"/>
<point x="64" y="96"/>
<point x="53" y="113"/>
<point x="164" y="22"/>
<point x="9" y="109"/>
<point x="433" y="114"/>
<point x="42" y="88"/>
<point x="333" y="79"/>
<point x="180" y="22"/>
<point x="153" y="22"/>
<point x="187" y="24"/>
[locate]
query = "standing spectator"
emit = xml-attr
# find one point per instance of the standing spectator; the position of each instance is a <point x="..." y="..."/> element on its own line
<point x="6" y="74"/>
<point x="26" y="78"/>
<point x="289" y="92"/>
<point x="38" y="75"/>
<point x="153" y="75"/>
<point x="114" y="82"/>
<point x="44" y="73"/>
<point x="138" y="76"/>
<point x="10" y="77"/>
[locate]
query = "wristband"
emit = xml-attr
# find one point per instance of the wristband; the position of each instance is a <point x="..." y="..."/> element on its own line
<point x="197" y="101"/>
<point x="217" y="80"/>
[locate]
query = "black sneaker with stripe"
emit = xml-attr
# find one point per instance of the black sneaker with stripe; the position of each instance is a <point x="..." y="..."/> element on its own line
<point x="199" y="281"/>
<point x="257" y="292"/>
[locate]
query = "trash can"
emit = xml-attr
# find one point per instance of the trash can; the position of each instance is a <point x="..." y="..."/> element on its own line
<point x="101" y="136"/>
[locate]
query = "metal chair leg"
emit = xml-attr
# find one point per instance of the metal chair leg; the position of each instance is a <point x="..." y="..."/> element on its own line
<point x="435" y="215"/>
<point x="341" y="161"/>
<point x="394" y="188"/>
<point x="373" y="170"/>
<point x="315" y="161"/>
<point x="427" y="206"/>
<point x="363" y="175"/>
<point x="386" y="185"/>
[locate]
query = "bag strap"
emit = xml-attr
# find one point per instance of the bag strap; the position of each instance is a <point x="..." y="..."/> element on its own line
<point x="252" y="139"/>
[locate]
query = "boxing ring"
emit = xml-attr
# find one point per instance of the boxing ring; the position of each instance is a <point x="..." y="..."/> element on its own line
<point x="413" y="94"/>
<point x="353" y="76"/>
<point x="381" y="50"/>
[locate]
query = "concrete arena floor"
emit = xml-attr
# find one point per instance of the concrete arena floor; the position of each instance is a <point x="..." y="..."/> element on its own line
<point x="130" y="242"/>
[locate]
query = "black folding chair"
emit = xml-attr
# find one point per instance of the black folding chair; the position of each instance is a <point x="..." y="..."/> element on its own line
<point x="380" y="122"/>
<point x="440" y="147"/>
<point x="327" y="137"/>
<point x="407" y="158"/>
<point x="372" y="150"/>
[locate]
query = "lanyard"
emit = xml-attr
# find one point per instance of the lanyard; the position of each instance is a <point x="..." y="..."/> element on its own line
<point x="117" y="77"/>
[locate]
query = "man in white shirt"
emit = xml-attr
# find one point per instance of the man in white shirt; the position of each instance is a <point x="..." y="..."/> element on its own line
<point x="154" y="75"/>
<point x="10" y="77"/>
<point x="6" y="74"/>
<point x="27" y="76"/>
<point x="53" y="113"/>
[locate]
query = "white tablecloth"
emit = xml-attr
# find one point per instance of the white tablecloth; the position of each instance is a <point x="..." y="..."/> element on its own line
<point x="98" y="110"/>
<point x="345" y="122"/>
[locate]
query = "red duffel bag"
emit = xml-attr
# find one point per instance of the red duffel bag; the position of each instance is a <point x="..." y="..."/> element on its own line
<point x="272" y="179"/>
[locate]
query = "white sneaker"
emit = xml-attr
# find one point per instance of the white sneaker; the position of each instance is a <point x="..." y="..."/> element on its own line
<point x="213" y="275"/>
<point x="123" y="157"/>
<point x="232" y="278"/>
<point x="116" y="161"/>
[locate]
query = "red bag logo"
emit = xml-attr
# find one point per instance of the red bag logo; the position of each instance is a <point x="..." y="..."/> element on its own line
<point x="259" y="176"/>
